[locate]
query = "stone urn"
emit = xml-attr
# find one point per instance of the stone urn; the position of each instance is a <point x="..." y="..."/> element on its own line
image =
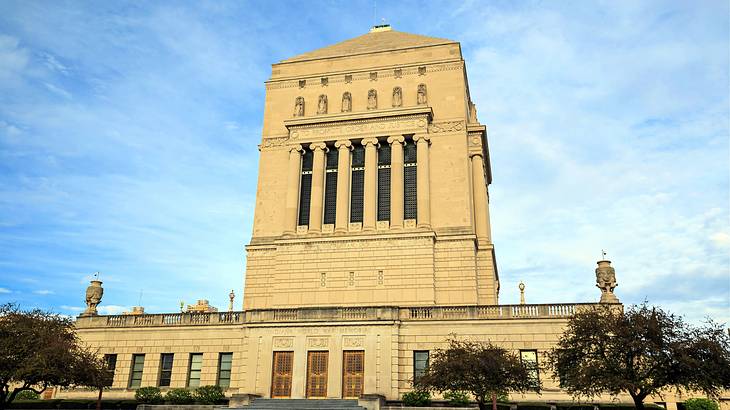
<point x="93" y="297"/>
<point x="606" y="281"/>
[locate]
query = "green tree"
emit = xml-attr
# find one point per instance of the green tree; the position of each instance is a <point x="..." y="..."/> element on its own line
<point x="40" y="349"/>
<point x="641" y="351"/>
<point x="480" y="368"/>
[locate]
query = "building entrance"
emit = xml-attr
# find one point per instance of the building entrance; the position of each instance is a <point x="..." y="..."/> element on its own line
<point x="282" y="374"/>
<point x="353" y="366"/>
<point x="317" y="374"/>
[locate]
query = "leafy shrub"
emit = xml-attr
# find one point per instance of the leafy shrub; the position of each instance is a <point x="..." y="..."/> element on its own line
<point x="700" y="404"/>
<point x="179" y="396"/>
<point x="126" y="404"/>
<point x="209" y="394"/>
<point x="148" y="395"/>
<point x="456" y="398"/>
<point x="34" y="404"/>
<point x="27" y="395"/>
<point x="417" y="398"/>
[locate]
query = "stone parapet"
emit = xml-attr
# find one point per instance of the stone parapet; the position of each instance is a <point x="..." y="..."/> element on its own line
<point x="337" y="314"/>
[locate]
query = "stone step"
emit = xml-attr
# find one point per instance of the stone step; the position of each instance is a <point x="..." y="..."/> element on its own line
<point x="304" y="404"/>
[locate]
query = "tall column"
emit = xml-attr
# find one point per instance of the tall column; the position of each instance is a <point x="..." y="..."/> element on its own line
<point x="423" y="180"/>
<point x="481" y="203"/>
<point x="371" y="193"/>
<point x="315" y="208"/>
<point x="396" y="181"/>
<point x="292" y="189"/>
<point x="342" y="216"/>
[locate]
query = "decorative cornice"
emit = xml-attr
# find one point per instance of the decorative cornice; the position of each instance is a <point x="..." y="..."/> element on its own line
<point x="352" y="117"/>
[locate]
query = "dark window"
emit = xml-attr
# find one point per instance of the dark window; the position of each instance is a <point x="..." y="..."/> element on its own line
<point x="225" y="362"/>
<point x="410" y="199"/>
<point x="384" y="182"/>
<point x="420" y="363"/>
<point x="529" y="359"/>
<point x="165" y="369"/>
<point x="196" y="365"/>
<point x="357" y="183"/>
<point x="305" y="189"/>
<point x="135" y="377"/>
<point x="330" y="188"/>
<point x="111" y="361"/>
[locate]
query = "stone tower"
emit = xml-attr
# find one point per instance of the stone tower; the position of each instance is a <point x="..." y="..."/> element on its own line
<point x="373" y="179"/>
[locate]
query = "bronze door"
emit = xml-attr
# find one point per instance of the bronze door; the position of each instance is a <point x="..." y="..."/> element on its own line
<point x="281" y="375"/>
<point x="353" y="369"/>
<point x="317" y="374"/>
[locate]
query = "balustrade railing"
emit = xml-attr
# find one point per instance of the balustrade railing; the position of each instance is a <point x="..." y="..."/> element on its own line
<point x="335" y="314"/>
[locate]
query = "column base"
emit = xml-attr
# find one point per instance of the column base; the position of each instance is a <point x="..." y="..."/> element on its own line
<point x="423" y="226"/>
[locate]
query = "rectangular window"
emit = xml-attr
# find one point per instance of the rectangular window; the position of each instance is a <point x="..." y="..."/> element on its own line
<point x="225" y="363"/>
<point x="196" y="365"/>
<point x="384" y="182"/>
<point x="420" y="363"/>
<point x="305" y="187"/>
<point x="357" y="183"/>
<point x="111" y="361"/>
<point x="135" y="377"/>
<point x="330" y="187"/>
<point x="165" y="369"/>
<point x="529" y="359"/>
<point x="410" y="199"/>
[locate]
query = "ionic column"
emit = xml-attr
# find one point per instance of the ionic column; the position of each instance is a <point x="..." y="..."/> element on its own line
<point x="342" y="215"/>
<point x="292" y="190"/>
<point x="396" y="181"/>
<point x="315" y="207"/>
<point x="371" y="193"/>
<point x="423" y="180"/>
<point x="481" y="203"/>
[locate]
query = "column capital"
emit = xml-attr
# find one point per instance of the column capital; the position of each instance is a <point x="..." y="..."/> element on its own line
<point x="368" y="141"/>
<point x="343" y="143"/>
<point x="396" y="138"/>
<point x="421" y="137"/>
<point x="476" y="154"/>
<point x="318" y="145"/>
<point x="297" y="147"/>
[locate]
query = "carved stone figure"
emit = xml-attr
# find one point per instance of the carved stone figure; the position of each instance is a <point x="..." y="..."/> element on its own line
<point x="397" y="97"/>
<point x="606" y="281"/>
<point x="322" y="105"/>
<point x="422" y="97"/>
<point x="299" y="107"/>
<point x="346" y="102"/>
<point x="93" y="297"/>
<point x="372" y="100"/>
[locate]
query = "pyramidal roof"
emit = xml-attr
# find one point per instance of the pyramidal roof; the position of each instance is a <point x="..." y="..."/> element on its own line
<point x="380" y="38"/>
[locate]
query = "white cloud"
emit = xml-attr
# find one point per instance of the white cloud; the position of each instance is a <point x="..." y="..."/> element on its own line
<point x="112" y="309"/>
<point x="5" y="290"/>
<point x="43" y="292"/>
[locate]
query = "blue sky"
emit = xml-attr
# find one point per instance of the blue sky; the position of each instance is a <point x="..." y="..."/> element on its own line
<point x="128" y="135"/>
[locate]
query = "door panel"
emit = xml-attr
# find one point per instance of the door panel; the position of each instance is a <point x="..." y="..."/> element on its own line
<point x="317" y="374"/>
<point x="353" y="368"/>
<point x="282" y="374"/>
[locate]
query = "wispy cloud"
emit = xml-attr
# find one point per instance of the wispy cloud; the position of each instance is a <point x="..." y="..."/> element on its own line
<point x="5" y="290"/>
<point x="44" y="292"/>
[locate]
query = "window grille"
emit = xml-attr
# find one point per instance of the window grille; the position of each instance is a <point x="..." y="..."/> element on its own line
<point x="357" y="183"/>
<point x="166" y="360"/>
<point x="330" y="188"/>
<point x="529" y="360"/>
<point x="135" y="378"/>
<point x="384" y="183"/>
<point x="225" y="363"/>
<point x="420" y="363"/>
<point x="305" y="187"/>
<point x="196" y="365"/>
<point x="410" y="194"/>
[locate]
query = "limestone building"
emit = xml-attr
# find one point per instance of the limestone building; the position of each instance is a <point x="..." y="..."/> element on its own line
<point x="371" y="240"/>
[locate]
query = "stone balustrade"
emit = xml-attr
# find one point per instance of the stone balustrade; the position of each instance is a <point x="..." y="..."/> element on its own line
<point x="337" y="314"/>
